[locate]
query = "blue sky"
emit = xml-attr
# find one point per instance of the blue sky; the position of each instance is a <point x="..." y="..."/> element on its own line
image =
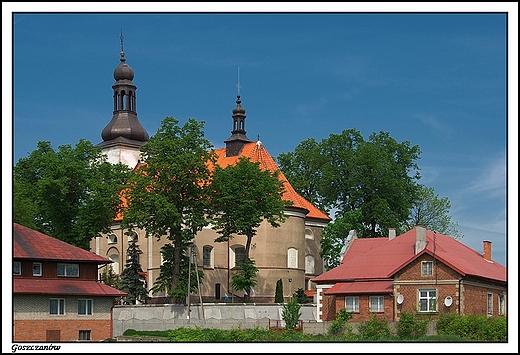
<point x="436" y="77"/>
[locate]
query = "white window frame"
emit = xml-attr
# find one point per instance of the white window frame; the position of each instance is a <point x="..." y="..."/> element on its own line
<point x="490" y="304"/>
<point x="427" y="268"/>
<point x="501" y="305"/>
<point x="84" y="335"/>
<point x="37" y="269"/>
<point x="85" y="307"/>
<point x="431" y="300"/>
<point x="59" y="305"/>
<point x="352" y="303"/>
<point x="67" y="270"/>
<point x="377" y="304"/>
<point x="292" y="258"/>
<point x="17" y="268"/>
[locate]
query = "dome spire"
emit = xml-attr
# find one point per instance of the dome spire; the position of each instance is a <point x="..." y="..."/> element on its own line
<point x="238" y="137"/>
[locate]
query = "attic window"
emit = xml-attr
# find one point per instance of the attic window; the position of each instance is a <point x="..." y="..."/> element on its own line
<point x="427" y="268"/>
<point x="17" y="268"/>
<point x="69" y="270"/>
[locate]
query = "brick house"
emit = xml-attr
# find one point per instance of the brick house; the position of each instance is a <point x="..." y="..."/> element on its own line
<point x="419" y="270"/>
<point x="56" y="292"/>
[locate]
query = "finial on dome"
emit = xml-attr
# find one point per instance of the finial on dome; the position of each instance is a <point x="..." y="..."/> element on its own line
<point x="238" y="84"/>
<point x="122" y="39"/>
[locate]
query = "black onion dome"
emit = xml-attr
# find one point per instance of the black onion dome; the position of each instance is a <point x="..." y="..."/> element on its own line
<point x="123" y="70"/>
<point x="239" y="109"/>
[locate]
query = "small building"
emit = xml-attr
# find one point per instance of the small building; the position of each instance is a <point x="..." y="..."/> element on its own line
<point x="56" y="292"/>
<point x="417" y="271"/>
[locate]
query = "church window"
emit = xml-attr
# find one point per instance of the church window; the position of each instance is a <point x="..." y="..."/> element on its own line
<point x="292" y="258"/>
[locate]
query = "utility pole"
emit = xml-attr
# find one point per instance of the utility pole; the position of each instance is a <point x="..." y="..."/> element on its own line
<point x="189" y="281"/>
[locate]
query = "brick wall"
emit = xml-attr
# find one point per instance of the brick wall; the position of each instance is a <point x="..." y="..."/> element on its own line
<point x="364" y="313"/>
<point x="36" y="330"/>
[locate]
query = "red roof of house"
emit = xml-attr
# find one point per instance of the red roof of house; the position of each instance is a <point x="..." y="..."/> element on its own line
<point x="381" y="258"/>
<point x="361" y="287"/>
<point x="257" y="153"/>
<point x="30" y="244"/>
<point x="65" y="287"/>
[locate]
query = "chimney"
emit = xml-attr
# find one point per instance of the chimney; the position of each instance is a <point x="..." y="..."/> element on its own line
<point x="487" y="250"/>
<point x="391" y="233"/>
<point x="420" y="238"/>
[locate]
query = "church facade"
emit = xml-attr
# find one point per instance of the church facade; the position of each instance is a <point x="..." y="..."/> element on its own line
<point x="289" y="252"/>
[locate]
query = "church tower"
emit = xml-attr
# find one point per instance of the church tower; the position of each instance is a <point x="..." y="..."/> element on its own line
<point x="124" y="135"/>
<point x="238" y="137"/>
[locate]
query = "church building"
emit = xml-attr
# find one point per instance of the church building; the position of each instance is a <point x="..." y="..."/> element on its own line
<point x="289" y="252"/>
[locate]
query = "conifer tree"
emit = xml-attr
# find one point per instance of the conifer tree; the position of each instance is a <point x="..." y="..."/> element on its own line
<point x="132" y="278"/>
<point x="278" y="296"/>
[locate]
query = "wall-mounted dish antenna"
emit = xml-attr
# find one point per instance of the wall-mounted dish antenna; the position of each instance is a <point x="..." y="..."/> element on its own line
<point x="448" y="301"/>
<point x="400" y="299"/>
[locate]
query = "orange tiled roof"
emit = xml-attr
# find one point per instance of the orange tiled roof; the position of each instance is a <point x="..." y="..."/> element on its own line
<point x="256" y="152"/>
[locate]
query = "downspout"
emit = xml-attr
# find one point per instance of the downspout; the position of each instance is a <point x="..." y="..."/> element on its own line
<point x="460" y="294"/>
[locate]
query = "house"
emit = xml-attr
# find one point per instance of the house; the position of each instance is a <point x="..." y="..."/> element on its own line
<point x="56" y="293"/>
<point x="289" y="252"/>
<point x="419" y="270"/>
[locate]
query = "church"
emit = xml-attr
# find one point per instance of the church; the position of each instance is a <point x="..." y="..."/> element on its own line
<point x="290" y="252"/>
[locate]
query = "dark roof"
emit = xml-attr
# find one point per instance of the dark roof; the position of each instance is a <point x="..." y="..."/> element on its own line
<point x="381" y="258"/>
<point x="65" y="287"/>
<point x="30" y="244"/>
<point x="345" y="288"/>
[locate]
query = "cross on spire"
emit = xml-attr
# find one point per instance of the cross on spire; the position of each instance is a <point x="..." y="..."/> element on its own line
<point x="238" y="84"/>
<point x="122" y="39"/>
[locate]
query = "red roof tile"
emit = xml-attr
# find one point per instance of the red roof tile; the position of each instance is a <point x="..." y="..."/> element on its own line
<point x="30" y="244"/>
<point x="361" y="287"/>
<point x="66" y="287"/>
<point x="381" y="258"/>
<point x="256" y="152"/>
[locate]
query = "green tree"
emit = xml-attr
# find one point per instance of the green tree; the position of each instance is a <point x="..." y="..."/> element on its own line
<point x="243" y="278"/>
<point x="132" y="278"/>
<point x="291" y="313"/>
<point x="242" y="196"/>
<point x="108" y="277"/>
<point x="278" y="296"/>
<point x="167" y="195"/>
<point x="301" y="296"/>
<point x="334" y="236"/>
<point x="432" y="212"/>
<point x="72" y="194"/>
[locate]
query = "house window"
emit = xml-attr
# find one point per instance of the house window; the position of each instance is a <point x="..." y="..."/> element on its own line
<point x="427" y="268"/>
<point x="428" y="300"/>
<point x="84" y="307"/>
<point x="207" y="252"/>
<point x="352" y="303"/>
<point x="70" y="270"/>
<point x="84" y="335"/>
<point x="17" y="268"/>
<point x="309" y="264"/>
<point x="37" y="269"/>
<point x="57" y="306"/>
<point x="490" y="304"/>
<point x="377" y="304"/>
<point x="292" y="258"/>
<point x="239" y="253"/>
<point x="501" y="305"/>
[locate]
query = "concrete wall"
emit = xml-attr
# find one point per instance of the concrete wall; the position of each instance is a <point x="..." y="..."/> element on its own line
<point x="222" y="316"/>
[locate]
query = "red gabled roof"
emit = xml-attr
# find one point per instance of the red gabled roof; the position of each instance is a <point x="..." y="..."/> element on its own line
<point x="30" y="244"/>
<point x="257" y="153"/>
<point x="64" y="287"/>
<point x="358" y="287"/>
<point x="381" y="258"/>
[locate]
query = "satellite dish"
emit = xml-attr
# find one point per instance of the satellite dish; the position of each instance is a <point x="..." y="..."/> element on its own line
<point x="448" y="301"/>
<point x="400" y="299"/>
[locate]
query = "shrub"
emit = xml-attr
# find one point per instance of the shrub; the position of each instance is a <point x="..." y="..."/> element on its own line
<point x="374" y="328"/>
<point x="301" y="296"/>
<point x="474" y="327"/>
<point x="291" y="313"/>
<point x="411" y="326"/>
<point x="278" y="296"/>
<point x="337" y="326"/>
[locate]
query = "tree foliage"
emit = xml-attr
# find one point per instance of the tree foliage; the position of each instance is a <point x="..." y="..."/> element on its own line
<point x="432" y="212"/>
<point x="291" y="313"/>
<point x="167" y="195"/>
<point x="242" y="196"/>
<point x="244" y="277"/>
<point x="278" y="295"/>
<point x="132" y="278"/>
<point x="71" y="194"/>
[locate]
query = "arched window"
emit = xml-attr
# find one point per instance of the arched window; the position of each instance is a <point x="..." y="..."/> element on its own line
<point x="237" y="254"/>
<point x="114" y="257"/>
<point x="207" y="256"/>
<point x="309" y="264"/>
<point x="292" y="258"/>
<point x="133" y="237"/>
<point x="309" y="233"/>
